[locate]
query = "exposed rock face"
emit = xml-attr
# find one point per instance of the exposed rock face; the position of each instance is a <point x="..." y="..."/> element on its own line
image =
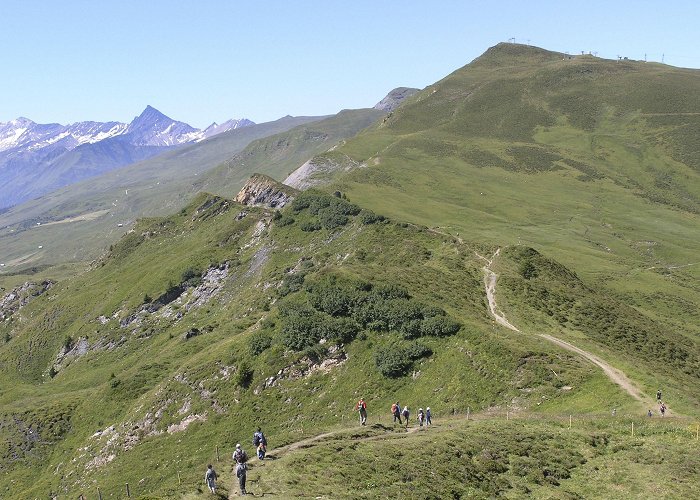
<point x="319" y="170"/>
<point x="261" y="190"/>
<point x="21" y="296"/>
<point x="394" y="98"/>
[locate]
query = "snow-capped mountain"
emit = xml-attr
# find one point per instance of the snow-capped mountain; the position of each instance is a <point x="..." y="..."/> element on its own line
<point x="153" y="128"/>
<point x="150" y="128"/>
<point x="215" y="128"/>
<point x="37" y="158"/>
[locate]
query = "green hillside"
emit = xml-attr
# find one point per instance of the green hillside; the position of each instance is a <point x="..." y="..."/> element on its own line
<point x="592" y="162"/>
<point x="198" y="327"/>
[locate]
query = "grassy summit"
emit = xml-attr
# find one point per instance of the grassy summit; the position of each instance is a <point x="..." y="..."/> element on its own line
<point x="592" y="162"/>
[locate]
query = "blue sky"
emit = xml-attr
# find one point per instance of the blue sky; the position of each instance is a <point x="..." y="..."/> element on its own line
<point x="209" y="60"/>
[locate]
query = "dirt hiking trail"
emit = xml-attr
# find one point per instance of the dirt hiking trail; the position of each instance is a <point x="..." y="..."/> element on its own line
<point x="617" y="376"/>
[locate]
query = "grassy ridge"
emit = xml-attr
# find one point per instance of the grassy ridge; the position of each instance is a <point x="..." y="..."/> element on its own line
<point x="145" y="376"/>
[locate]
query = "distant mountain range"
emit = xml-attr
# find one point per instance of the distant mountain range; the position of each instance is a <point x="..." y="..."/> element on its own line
<point x="38" y="158"/>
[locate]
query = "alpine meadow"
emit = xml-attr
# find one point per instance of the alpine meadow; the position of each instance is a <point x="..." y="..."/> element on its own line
<point x="516" y="247"/>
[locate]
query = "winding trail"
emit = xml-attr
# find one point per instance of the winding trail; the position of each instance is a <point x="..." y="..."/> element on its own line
<point x="617" y="376"/>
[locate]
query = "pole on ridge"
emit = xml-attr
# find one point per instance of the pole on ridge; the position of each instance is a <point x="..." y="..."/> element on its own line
<point x="467" y="413"/>
<point x="217" y="453"/>
<point x="569" y="421"/>
<point x="99" y="493"/>
<point x="128" y="493"/>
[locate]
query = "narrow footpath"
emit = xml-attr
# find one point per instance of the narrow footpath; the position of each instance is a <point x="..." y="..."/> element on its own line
<point x="617" y="376"/>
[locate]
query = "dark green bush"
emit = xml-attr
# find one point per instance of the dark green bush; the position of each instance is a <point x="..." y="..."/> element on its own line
<point x="300" y="326"/>
<point x="390" y="291"/>
<point x="284" y="220"/>
<point x="259" y="342"/>
<point x="244" y="375"/>
<point x="369" y="217"/>
<point x="411" y="329"/>
<point x="191" y="277"/>
<point x="310" y="226"/>
<point x="332" y="211"/>
<point x="392" y="361"/>
<point x="396" y="360"/>
<point x="330" y="219"/>
<point x="333" y="296"/>
<point x="416" y="350"/>
<point x="341" y="330"/>
<point x="528" y="270"/>
<point x="291" y="283"/>
<point x="439" y="326"/>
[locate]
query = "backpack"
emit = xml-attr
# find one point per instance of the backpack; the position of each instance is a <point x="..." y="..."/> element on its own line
<point x="405" y="412"/>
<point x="256" y="439"/>
<point x="241" y="457"/>
<point x="393" y="408"/>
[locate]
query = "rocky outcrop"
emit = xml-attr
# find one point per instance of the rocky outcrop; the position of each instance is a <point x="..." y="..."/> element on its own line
<point x="20" y="296"/>
<point x="394" y="98"/>
<point x="261" y="190"/>
<point x="320" y="170"/>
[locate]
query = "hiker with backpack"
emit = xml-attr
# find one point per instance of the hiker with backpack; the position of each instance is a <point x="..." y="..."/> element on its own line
<point x="421" y="417"/>
<point x="396" y="412"/>
<point x="241" y="471"/>
<point x="210" y="478"/>
<point x="362" y="407"/>
<point x="428" y="417"/>
<point x="658" y="395"/>
<point x="240" y="457"/>
<point x="406" y="413"/>
<point x="662" y="408"/>
<point x="260" y="443"/>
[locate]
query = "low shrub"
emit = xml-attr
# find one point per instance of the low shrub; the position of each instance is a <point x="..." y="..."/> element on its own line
<point x="396" y="360"/>
<point x="259" y="342"/>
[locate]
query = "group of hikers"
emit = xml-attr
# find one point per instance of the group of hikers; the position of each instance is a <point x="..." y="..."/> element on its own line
<point x="662" y="405"/>
<point x="240" y="458"/>
<point x="423" y="417"/>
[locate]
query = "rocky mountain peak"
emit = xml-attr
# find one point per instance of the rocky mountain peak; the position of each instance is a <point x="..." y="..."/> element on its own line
<point x="394" y="98"/>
